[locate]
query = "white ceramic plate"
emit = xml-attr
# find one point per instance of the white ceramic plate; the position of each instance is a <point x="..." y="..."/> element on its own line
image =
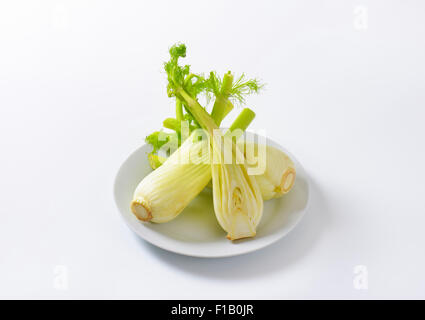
<point x="195" y="232"/>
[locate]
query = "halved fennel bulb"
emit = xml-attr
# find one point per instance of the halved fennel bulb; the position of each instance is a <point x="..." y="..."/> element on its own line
<point x="279" y="175"/>
<point x="165" y="192"/>
<point x="238" y="204"/>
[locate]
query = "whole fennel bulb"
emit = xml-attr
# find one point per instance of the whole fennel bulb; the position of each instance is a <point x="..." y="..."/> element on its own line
<point x="165" y="192"/>
<point x="279" y="174"/>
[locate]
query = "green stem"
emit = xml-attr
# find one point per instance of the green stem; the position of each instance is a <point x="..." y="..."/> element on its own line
<point x="179" y="110"/>
<point x="227" y="108"/>
<point x="197" y="111"/>
<point x="189" y="78"/>
<point x="243" y="120"/>
<point x="221" y="106"/>
<point x="218" y="110"/>
<point x="226" y="86"/>
<point x="172" y="124"/>
<point x="205" y="120"/>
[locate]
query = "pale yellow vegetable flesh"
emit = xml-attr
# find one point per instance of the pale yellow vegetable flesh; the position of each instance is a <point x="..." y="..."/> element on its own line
<point x="238" y="204"/>
<point x="279" y="176"/>
<point x="165" y="192"/>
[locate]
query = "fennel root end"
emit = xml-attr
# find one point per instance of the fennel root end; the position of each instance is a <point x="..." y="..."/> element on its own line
<point x="230" y="237"/>
<point x="288" y="179"/>
<point x="141" y="210"/>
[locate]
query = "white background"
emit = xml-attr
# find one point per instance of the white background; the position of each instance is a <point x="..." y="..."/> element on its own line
<point x="81" y="85"/>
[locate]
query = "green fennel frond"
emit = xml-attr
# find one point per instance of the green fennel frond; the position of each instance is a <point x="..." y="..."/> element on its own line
<point x="195" y="84"/>
<point x="155" y="141"/>
<point x="243" y="87"/>
<point x="214" y="83"/>
<point x="178" y="50"/>
<point x="176" y="74"/>
<point x="180" y="76"/>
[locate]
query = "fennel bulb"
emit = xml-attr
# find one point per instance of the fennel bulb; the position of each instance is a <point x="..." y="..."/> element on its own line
<point x="165" y="192"/>
<point x="238" y="204"/>
<point x="279" y="175"/>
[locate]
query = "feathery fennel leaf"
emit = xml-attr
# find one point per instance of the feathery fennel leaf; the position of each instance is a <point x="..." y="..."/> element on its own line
<point x="243" y="87"/>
